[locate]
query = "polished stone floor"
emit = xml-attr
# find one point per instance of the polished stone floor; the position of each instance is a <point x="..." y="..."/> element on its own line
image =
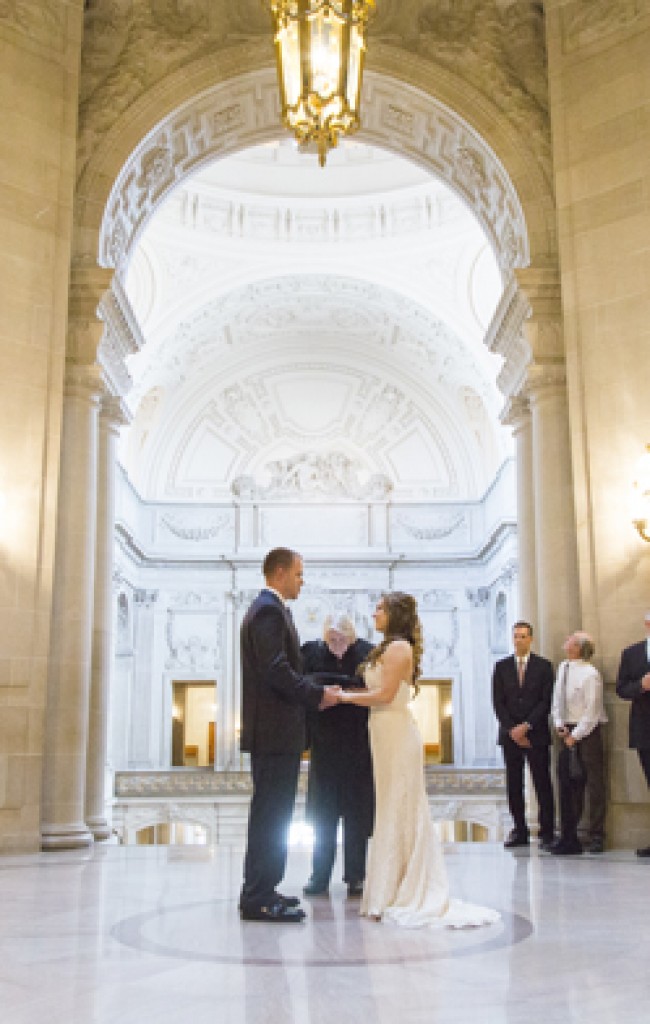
<point x="151" y="934"/>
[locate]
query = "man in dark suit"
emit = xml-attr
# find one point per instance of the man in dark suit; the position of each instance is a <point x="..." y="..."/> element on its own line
<point x="522" y="688"/>
<point x="275" y="697"/>
<point x="633" y="684"/>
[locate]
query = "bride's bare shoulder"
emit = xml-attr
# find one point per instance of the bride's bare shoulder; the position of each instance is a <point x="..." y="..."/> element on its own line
<point x="398" y="650"/>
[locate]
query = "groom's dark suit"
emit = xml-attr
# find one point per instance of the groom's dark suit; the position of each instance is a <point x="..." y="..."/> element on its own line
<point x="274" y="700"/>
<point x="634" y="665"/>
<point x="531" y="703"/>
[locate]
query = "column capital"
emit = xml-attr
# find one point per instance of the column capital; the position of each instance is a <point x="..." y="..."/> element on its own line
<point x="516" y="413"/>
<point x="88" y="283"/>
<point x="113" y="413"/>
<point x="545" y="380"/>
<point x="478" y="597"/>
<point x="541" y="288"/>
<point x="83" y="380"/>
<point x="122" y="337"/>
<point x="145" y="598"/>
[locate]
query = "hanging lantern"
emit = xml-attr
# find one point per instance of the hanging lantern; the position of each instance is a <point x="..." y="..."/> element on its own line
<point x="320" y="47"/>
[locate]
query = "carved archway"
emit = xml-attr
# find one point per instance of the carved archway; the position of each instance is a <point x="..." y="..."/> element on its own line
<point x="243" y="111"/>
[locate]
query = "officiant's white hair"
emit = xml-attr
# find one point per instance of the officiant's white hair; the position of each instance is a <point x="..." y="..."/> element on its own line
<point x="342" y="624"/>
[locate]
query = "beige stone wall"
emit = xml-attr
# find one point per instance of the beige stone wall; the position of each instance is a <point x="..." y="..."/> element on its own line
<point x="599" y="78"/>
<point x="39" y="73"/>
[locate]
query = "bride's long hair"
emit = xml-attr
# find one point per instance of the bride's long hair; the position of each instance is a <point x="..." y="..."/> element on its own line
<point x="403" y="624"/>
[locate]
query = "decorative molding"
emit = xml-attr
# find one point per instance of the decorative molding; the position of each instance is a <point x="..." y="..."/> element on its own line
<point x="206" y="782"/>
<point x="505" y="337"/>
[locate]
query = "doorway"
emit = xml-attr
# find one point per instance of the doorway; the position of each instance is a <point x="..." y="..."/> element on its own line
<point x="433" y="712"/>
<point x="194" y="711"/>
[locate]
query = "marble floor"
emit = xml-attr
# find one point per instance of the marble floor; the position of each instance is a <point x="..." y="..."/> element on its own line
<point x="152" y="934"/>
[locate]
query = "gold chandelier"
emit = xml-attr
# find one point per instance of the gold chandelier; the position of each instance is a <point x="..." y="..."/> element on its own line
<point x="320" y="46"/>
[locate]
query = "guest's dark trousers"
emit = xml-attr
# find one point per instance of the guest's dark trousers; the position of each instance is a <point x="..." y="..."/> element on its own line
<point x="538" y="758"/>
<point x="572" y="791"/>
<point x="275" y="778"/>
<point x="355" y="841"/>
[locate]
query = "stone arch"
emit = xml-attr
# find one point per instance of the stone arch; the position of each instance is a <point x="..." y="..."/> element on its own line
<point x="412" y="106"/>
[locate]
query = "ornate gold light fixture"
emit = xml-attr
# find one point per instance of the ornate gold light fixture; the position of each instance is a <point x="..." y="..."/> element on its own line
<point x="320" y="46"/>
<point x="641" y="487"/>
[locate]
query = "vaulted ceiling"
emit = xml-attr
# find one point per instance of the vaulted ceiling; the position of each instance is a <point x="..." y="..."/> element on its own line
<point x="292" y="310"/>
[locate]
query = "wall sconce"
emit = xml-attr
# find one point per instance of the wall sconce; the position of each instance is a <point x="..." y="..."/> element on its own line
<point x="641" y="496"/>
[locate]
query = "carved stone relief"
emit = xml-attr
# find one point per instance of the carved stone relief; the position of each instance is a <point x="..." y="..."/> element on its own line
<point x="314" y="475"/>
<point x="587" y="21"/>
<point x="193" y="641"/>
<point x="41" y="23"/>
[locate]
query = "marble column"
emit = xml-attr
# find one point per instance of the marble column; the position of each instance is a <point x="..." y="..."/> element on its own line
<point x="517" y="415"/>
<point x="558" y="609"/>
<point x="63" y="823"/>
<point x="112" y="416"/>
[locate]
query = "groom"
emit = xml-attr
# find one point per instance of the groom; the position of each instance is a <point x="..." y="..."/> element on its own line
<point x="274" y="701"/>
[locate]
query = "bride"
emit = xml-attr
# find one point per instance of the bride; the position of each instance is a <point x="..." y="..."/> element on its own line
<point x="406" y="880"/>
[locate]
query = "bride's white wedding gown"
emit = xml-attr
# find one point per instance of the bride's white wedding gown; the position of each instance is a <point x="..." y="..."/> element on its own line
<point x="406" y="880"/>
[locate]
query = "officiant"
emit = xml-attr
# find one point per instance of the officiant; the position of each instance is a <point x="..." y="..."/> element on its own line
<point x="340" y="783"/>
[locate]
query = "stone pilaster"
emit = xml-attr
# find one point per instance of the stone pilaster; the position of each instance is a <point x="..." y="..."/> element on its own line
<point x="479" y="742"/>
<point x="64" y="772"/>
<point x="140" y="754"/>
<point x="112" y="416"/>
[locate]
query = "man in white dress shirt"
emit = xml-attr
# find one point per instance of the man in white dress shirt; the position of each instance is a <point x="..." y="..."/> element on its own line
<point x="578" y="713"/>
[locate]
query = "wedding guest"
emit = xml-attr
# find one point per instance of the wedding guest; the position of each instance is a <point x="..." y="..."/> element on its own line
<point x="633" y="684"/>
<point x="340" y="786"/>
<point x="522" y="686"/>
<point x="578" y="713"/>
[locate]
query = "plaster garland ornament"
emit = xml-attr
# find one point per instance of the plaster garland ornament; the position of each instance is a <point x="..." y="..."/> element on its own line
<point x="198" y="529"/>
<point x="442" y="526"/>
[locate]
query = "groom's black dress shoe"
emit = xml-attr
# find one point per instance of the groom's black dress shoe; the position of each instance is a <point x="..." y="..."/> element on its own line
<point x="516" y="839"/>
<point x="643" y="852"/>
<point x="355" y="889"/>
<point x="275" y="913"/>
<point x="289" y="901"/>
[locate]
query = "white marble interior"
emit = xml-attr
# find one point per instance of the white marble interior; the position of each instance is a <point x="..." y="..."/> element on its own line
<point x="126" y="934"/>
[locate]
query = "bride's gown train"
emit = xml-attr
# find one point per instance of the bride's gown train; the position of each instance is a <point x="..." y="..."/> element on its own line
<point x="406" y="879"/>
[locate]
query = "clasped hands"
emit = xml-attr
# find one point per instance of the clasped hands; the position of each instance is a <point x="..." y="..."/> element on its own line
<point x="333" y="695"/>
<point x="519" y="733"/>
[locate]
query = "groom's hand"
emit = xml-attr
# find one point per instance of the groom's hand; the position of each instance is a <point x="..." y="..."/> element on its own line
<point x="330" y="697"/>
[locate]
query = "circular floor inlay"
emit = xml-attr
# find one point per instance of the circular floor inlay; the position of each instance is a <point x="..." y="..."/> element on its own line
<point x="333" y="935"/>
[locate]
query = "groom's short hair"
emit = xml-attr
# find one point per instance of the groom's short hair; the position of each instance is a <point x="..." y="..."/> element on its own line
<point x="278" y="558"/>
